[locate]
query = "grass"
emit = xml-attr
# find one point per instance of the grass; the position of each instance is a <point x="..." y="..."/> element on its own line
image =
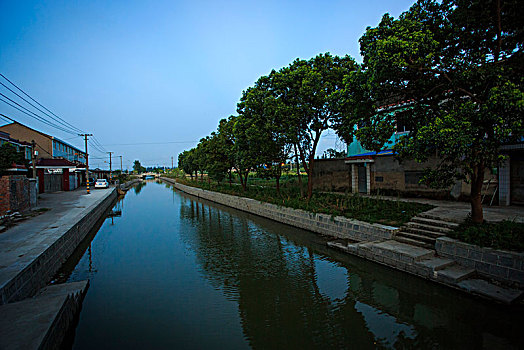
<point x="372" y="210"/>
<point x="506" y="234"/>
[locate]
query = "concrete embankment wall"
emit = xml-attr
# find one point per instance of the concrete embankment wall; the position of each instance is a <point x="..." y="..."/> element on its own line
<point x="338" y="227"/>
<point x="43" y="267"/>
<point x="126" y="186"/>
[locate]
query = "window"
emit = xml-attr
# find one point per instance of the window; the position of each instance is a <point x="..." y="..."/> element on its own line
<point x="413" y="177"/>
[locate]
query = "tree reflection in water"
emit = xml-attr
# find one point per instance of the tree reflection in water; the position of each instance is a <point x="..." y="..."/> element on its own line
<point x="292" y="291"/>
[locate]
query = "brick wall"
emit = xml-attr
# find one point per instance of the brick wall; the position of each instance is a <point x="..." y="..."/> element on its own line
<point x="14" y="193"/>
<point x="331" y="175"/>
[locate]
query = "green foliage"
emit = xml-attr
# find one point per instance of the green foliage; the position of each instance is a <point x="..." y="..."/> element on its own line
<point x="499" y="235"/>
<point x="9" y="156"/>
<point x="457" y="66"/>
<point x="137" y="167"/>
<point x="352" y="206"/>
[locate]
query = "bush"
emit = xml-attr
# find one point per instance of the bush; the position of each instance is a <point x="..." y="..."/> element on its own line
<point x="499" y="235"/>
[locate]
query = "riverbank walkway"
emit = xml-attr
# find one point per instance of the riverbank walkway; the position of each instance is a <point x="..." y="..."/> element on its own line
<point x="456" y="211"/>
<point x="21" y="244"/>
<point x="33" y="316"/>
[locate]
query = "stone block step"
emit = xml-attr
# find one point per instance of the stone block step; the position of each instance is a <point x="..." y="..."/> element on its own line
<point x="396" y="250"/>
<point x="414" y="242"/>
<point x="421" y="232"/>
<point x="416" y="237"/>
<point x="454" y="274"/>
<point x="438" y="219"/>
<point x="428" y="227"/>
<point x="436" y="263"/>
<point x="489" y="290"/>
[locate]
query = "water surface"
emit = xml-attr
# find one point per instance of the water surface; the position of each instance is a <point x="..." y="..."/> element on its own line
<point x="176" y="272"/>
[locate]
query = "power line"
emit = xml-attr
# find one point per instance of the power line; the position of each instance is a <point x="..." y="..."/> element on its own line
<point x="33" y="115"/>
<point x="64" y="121"/>
<point x="32" y="105"/>
<point x="147" y="143"/>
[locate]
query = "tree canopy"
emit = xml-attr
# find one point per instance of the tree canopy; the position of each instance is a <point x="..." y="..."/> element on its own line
<point x="455" y="70"/>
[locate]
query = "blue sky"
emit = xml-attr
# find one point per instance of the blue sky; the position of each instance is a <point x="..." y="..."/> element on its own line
<point x="163" y="71"/>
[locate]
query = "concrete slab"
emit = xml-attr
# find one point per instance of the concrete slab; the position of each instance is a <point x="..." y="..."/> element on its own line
<point x="491" y="291"/>
<point x="435" y="263"/>
<point x="29" y="323"/>
<point x="454" y="274"/>
<point x="408" y="250"/>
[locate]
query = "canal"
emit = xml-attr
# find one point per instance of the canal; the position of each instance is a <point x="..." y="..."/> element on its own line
<point x="176" y="272"/>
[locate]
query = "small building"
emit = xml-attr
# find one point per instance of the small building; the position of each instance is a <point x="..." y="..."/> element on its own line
<point x="47" y="146"/>
<point x="57" y="175"/>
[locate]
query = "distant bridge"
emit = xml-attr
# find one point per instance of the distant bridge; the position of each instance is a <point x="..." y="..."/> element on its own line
<point x="155" y="175"/>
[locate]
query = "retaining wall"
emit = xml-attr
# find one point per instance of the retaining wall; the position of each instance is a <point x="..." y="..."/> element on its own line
<point x="338" y="227"/>
<point x="38" y="273"/>
<point x="126" y="186"/>
<point x="501" y="265"/>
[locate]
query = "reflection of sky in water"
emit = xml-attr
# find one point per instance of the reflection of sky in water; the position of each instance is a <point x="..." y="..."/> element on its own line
<point x="332" y="280"/>
<point x="384" y="327"/>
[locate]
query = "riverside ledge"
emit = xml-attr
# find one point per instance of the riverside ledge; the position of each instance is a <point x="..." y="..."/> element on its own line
<point x="33" y="251"/>
<point x="333" y="226"/>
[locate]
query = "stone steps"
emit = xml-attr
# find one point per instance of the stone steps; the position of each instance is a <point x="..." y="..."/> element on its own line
<point x="424" y="263"/>
<point x="422" y="232"/>
<point x="434" y="222"/>
<point x="433" y="217"/>
<point x="414" y="239"/>
<point x="436" y="264"/>
<point x="423" y="229"/>
<point x="455" y="274"/>
<point x="427" y="227"/>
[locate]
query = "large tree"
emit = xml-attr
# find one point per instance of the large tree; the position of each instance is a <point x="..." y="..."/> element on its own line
<point x="308" y="94"/>
<point x="265" y="128"/>
<point x="457" y="66"/>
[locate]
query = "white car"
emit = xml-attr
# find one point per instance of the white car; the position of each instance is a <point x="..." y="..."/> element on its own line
<point x="101" y="183"/>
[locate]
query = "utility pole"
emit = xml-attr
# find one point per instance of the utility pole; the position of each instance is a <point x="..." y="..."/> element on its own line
<point x="172" y="167"/>
<point x="110" y="166"/>
<point x="33" y="158"/>
<point x="121" y="168"/>
<point x="87" y="161"/>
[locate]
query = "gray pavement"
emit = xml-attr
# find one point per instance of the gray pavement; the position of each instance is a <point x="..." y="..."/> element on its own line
<point x="455" y="211"/>
<point x="23" y="243"/>
<point x="42" y="321"/>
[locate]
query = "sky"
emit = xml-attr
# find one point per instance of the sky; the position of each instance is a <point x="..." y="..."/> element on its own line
<point x="151" y="78"/>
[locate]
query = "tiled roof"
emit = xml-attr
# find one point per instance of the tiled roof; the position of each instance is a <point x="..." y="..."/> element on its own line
<point x="54" y="162"/>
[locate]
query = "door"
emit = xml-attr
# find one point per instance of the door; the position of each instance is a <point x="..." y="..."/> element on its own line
<point x="362" y="180"/>
<point x="52" y="182"/>
<point x="517" y="179"/>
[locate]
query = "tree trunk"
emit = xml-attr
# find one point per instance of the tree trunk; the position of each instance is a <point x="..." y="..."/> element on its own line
<point x="310" y="178"/>
<point x="279" y="171"/>
<point x="298" y="172"/>
<point x="477" y="180"/>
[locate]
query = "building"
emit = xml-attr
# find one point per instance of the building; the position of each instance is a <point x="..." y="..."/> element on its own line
<point x="19" y="145"/>
<point x="373" y="172"/>
<point x="47" y="146"/>
<point x="60" y="166"/>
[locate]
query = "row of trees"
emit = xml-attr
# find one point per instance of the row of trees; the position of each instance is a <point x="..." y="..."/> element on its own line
<point x="452" y="69"/>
